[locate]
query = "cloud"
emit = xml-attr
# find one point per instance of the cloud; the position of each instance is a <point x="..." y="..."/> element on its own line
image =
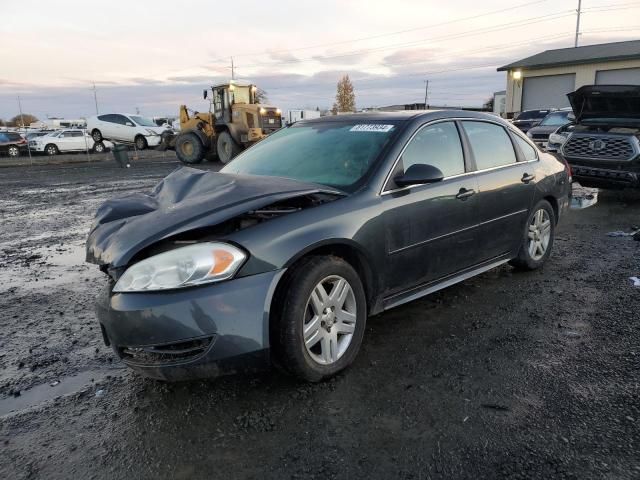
<point x="341" y="58"/>
<point x="285" y="57"/>
<point x="415" y="55"/>
<point x="145" y="81"/>
<point x="193" y="79"/>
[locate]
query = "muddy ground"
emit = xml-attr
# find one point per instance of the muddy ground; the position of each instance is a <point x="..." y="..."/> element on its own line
<point x="507" y="375"/>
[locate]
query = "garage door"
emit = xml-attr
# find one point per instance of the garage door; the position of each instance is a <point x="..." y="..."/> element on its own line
<point x="623" y="76"/>
<point x="547" y="91"/>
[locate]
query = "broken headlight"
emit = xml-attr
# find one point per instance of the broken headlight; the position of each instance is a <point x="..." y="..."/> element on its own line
<point x="182" y="267"/>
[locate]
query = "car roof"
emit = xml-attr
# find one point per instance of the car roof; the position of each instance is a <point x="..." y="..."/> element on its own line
<point x="404" y="116"/>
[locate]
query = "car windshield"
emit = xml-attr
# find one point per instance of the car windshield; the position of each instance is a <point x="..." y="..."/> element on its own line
<point x="532" y="114"/>
<point x="143" y="122"/>
<point x="555" y="119"/>
<point x="337" y="154"/>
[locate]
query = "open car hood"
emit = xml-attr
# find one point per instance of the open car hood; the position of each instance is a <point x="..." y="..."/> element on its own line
<point x="184" y="200"/>
<point x="606" y="101"/>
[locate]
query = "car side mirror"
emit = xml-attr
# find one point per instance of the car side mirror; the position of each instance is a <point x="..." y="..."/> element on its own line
<point x="419" y="174"/>
<point x="129" y="124"/>
<point x="205" y="93"/>
<point x="571" y="117"/>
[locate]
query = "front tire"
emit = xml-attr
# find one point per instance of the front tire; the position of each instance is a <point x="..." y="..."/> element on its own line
<point x="322" y="319"/>
<point x="141" y="142"/>
<point x="99" y="147"/>
<point x="96" y="135"/>
<point x="51" y="150"/>
<point x="227" y="147"/>
<point x="538" y="237"/>
<point x="189" y="148"/>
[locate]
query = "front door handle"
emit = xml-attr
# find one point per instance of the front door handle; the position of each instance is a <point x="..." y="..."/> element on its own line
<point x="526" y="178"/>
<point x="465" y="193"/>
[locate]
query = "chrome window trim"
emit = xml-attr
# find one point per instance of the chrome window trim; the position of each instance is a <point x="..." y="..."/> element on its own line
<point x="383" y="192"/>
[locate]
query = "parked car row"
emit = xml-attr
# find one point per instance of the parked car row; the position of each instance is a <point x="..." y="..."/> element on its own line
<point x="12" y="144"/>
<point x="50" y="142"/>
<point x="599" y="136"/>
<point x="70" y="140"/>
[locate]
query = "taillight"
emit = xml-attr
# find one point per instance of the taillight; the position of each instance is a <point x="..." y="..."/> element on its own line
<point x="566" y="164"/>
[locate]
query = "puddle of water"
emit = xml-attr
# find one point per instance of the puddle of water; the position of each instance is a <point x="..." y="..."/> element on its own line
<point x="55" y="266"/>
<point x="41" y="394"/>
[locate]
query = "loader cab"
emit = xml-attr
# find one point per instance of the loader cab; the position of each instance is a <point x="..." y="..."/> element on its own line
<point x="227" y="95"/>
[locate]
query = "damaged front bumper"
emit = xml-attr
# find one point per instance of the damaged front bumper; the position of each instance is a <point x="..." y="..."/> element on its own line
<point x="193" y="332"/>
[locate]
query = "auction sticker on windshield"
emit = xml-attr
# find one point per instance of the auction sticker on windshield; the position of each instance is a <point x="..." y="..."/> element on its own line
<point x="373" y="127"/>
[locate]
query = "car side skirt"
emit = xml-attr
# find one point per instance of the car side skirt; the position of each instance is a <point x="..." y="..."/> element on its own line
<point x="422" y="290"/>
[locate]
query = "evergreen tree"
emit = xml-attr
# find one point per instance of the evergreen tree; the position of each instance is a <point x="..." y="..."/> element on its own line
<point x="345" y="96"/>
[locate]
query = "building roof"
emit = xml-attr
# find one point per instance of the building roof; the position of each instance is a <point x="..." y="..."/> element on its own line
<point x="602" y="52"/>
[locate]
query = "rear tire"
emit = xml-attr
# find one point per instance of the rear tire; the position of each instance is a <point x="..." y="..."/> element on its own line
<point x="189" y="148"/>
<point x="51" y="150"/>
<point x="538" y="236"/>
<point x="96" y="135"/>
<point x="227" y="147"/>
<point x="321" y="322"/>
<point x="141" y="142"/>
<point x="13" y="151"/>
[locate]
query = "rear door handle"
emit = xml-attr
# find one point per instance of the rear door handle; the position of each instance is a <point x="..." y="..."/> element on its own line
<point x="465" y="193"/>
<point x="526" y="178"/>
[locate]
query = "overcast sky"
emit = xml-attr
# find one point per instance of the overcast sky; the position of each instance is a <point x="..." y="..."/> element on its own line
<point x="152" y="56"/>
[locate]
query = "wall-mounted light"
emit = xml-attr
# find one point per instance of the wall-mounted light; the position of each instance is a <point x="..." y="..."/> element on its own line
<point x="517" y="74"/>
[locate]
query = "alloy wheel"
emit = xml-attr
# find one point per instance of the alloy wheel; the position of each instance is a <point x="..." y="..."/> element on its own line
<point x="52" y="150"/>
<point x="539" y="234"/>
<point x="14" y="151"/>
<point x="329" y="320"/>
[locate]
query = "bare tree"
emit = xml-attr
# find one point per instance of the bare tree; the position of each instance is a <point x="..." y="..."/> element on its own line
<point x="23" y="120"/>
<point x="345" y="96"/>
<point x="261" y="96"/>
<point x="488" y="105"/>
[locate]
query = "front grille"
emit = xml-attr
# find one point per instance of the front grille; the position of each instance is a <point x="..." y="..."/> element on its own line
<point x="166" y="354"/>
<point x="618" y="176"/>
<point x="270" y="120"/>
<point x="540" y="136"/>
<point x="607" y="147"/>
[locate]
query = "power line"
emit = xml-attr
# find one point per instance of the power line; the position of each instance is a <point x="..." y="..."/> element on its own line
<point x="504" y="26"/>
<point x="397" y="32"/>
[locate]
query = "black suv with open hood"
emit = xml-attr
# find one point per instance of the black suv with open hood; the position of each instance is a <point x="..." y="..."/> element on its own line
<point x="604" y="148"/>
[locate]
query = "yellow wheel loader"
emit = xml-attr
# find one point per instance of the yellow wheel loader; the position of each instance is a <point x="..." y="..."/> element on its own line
<point x="234" y="122"/>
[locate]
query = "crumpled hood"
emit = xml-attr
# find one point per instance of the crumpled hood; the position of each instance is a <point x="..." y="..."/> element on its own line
<point x="184" y="200"/>
<point x="606" y="101"/>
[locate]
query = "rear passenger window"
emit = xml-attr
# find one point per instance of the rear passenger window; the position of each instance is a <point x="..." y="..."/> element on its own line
<point x="490" y="143"/>
<point x="438" y="145"/>
<point x="528" y="151"/>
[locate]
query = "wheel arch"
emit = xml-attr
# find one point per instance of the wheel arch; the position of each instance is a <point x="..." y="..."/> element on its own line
<point x="204" y="139"/>
<point x="553" y="201"/>
<point x="350" y="252"/>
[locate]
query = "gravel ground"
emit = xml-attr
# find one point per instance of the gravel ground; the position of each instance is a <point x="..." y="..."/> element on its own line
<point x="507" y="375"/>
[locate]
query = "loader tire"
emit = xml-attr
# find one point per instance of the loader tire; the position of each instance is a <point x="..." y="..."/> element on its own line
<point x="189" y="148"/>
<point x="227" y="147"/>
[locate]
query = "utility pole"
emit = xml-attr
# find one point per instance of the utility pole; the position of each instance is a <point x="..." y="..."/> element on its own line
<point x="95" y="97"/>
<point x="23" y="127"/>
<point x="579" y="11"/>
<point x="426" y="94"/>
<point x="233" y="72"/>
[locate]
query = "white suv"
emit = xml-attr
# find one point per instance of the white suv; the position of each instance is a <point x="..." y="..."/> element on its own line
<point x="125" y="128"/>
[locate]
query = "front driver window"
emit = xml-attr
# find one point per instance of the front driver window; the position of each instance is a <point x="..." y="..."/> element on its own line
<point x="438" y="145"/>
